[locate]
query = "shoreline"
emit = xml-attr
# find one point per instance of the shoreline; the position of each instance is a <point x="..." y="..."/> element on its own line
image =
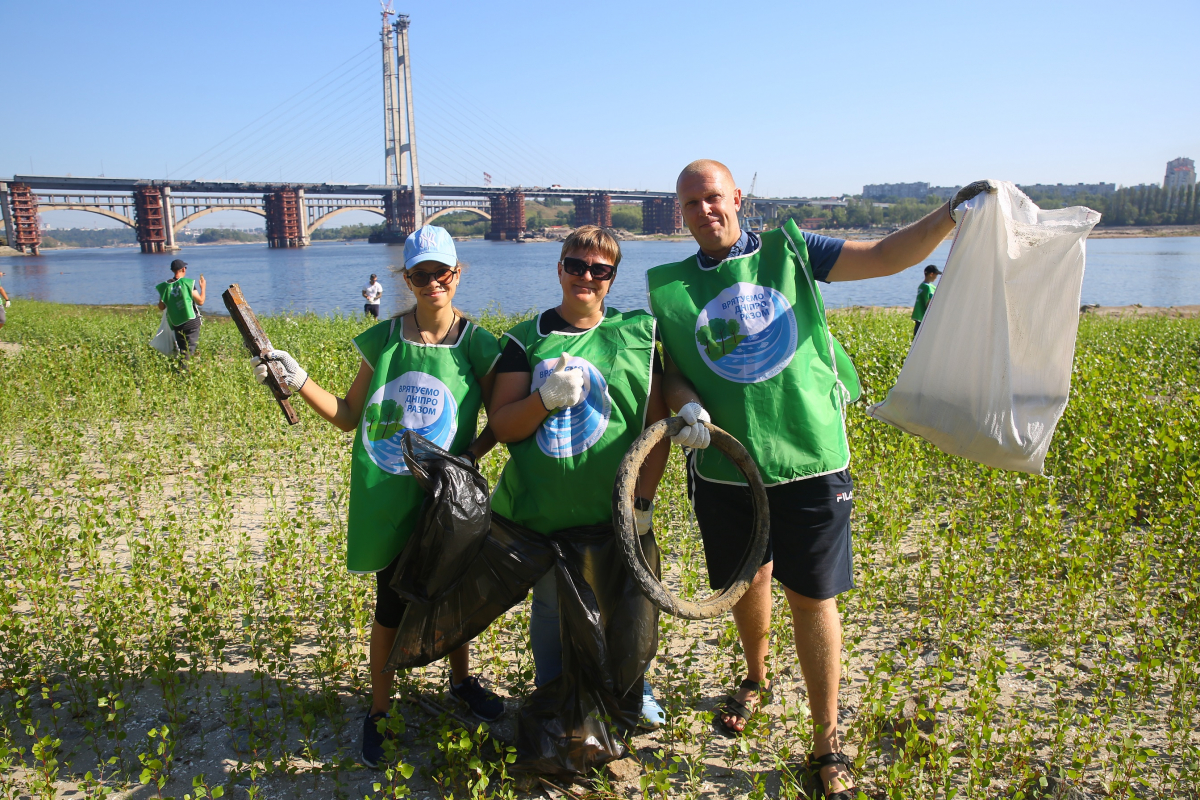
<point x="1088" y="309"/>
<point x="1132" y="232"/>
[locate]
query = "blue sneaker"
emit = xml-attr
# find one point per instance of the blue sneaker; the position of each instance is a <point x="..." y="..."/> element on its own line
<point x="372" y="740"/>
<point x="653" y="716"/>
<point x="483" y="702"/>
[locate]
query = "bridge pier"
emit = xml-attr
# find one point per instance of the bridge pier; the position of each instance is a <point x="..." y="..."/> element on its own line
<point x="508" y="215"/>
<point x="400" y="218"/>
<point x="6" y="212"/>
<point x="285" y="218"/>
<point x="168" y="219"/>
<point x="593" y="209"/>
<point x="152" y="214"/>
<point x="20" y="209"/>
<point x="583" y="210"/>
<point x="661" y="215"/>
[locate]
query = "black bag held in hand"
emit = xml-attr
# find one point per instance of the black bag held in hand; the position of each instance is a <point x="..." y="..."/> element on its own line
<point x="501" y="575"/>
<point x="452" y="526"/>
<point x="609" y="629"/>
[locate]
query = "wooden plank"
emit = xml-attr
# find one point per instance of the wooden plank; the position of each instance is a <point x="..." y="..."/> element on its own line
<point x="258" y="344"/>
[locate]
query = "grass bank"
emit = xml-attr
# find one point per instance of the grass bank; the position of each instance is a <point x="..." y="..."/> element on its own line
<point x="174" y="611"/>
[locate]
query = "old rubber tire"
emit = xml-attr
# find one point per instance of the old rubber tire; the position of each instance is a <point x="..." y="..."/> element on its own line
<point x="626" y="530"/>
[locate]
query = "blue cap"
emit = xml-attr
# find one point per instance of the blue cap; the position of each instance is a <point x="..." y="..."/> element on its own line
<point x="430" y="243"/>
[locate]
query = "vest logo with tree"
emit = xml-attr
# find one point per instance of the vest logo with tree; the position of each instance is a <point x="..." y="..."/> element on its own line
<point x="570" y="431"/>
<point x="747" y="333"/>
<point x="415" y="401"/>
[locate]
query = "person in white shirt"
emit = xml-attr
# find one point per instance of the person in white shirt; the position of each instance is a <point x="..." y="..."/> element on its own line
<point x="373" y="291"/>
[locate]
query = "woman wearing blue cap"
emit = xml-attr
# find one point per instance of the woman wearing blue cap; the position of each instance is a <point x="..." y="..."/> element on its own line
<point x="428" y="369"/>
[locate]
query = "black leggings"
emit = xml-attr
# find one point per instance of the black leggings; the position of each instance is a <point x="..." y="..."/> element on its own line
<point x="389" y="606"/>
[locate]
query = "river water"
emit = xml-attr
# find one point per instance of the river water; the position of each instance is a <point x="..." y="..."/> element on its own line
<point x="328" y="276"/>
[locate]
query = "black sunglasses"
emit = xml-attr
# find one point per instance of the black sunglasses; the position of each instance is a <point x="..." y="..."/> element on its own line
<point x="420" y="278"/>
<point x="577" y="266"/>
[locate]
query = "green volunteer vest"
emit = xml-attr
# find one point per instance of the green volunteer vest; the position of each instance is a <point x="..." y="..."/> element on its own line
<point x="177" y="296"/>
<point x="924" y="295"/>
<point x="562" y="476"/>
<point x="429" y="388"/>
<point x="751" y="336"/>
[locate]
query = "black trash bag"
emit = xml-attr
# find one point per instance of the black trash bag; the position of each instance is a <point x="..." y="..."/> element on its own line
<point x="511" y="560"/>
<point x="609" y="635"/>
<point x="609" y="630"/>
<point x="452" y="525"/>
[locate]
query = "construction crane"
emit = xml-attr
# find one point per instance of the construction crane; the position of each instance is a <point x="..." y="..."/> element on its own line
<point x="750" y="220"/>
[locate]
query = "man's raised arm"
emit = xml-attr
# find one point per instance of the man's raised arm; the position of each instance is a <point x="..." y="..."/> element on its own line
<point x="898" y="251"/>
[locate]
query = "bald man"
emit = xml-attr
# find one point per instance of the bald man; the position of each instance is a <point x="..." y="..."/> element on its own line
<point x="748" y="348"/>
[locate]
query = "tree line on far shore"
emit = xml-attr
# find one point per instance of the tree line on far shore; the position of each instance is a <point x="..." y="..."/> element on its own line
<point x="1130" y="205"/>
<point x="115" y="237"/>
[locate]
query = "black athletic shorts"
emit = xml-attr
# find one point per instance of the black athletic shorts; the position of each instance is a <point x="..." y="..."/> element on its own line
<point x="372" y="309"/>
<point x="810" y="531"/>
<point x="389" y="606"/>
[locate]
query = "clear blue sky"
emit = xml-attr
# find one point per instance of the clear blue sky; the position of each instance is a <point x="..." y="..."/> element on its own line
<point x="817" y="98"/>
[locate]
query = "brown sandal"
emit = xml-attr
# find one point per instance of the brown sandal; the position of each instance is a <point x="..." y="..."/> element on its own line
<point x="736" y="708"/>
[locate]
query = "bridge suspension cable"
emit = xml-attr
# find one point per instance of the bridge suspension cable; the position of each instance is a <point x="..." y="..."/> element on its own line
<point x="329" y="131"/>
<point x="360" y="63"/>
<point x="552" y="171"/>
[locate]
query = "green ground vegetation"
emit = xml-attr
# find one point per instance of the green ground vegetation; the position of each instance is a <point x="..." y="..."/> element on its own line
<point x="176" y="618"/>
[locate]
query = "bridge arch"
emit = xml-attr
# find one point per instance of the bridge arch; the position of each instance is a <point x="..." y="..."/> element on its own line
<point x="319" y="221"/>
<point x="183" y="223"/>
<point x="478" y="211"/>
<point x="104" y="212"/>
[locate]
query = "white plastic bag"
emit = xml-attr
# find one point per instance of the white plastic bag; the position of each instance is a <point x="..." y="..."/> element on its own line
<point x="164" y="340"/>
<point x="989" y="373"/>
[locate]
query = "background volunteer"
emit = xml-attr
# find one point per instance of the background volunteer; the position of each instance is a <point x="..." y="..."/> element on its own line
<point x="180" y="297"/>
<point x="430" y="370"/>
<point x="373" y="292"/>
<point x="554" y="482"/>
<point x="781" y="397"/>
<point x="924" y="295"/>
<point x="3" y="305"/>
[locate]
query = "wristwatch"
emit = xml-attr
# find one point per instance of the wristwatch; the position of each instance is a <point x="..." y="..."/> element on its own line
<point x="470" y="456"/>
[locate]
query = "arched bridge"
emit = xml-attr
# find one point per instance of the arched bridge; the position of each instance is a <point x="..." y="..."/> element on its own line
<point x="159" y="210"/>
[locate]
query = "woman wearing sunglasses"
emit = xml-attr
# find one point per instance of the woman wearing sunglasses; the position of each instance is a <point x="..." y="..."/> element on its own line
<point x="574" y="387"/>
<point x="429" y="369"/>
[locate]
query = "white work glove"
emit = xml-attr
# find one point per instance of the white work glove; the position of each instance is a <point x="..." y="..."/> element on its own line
<point x="563" y="388"/>
<point x="642" y="519"/>
<point x="694" y="435"/>
<point x="293" y="374"/>
<point x="7" y="303"/>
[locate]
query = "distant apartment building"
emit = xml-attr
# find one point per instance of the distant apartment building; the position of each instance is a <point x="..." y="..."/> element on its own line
<point x="1066" y="190"/>
<point x="880" y="190"/>
<point x="899" y="191"/>
<point x="1181" y="173"/>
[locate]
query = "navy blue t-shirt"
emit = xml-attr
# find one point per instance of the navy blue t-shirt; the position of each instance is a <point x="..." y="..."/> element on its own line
<point x="823" y="252"/>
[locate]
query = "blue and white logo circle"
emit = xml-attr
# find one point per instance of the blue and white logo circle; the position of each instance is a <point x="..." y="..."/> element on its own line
<point x="569" y="431"/>
<point x="414" y="401"/>
<point x="747" y="333"/>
